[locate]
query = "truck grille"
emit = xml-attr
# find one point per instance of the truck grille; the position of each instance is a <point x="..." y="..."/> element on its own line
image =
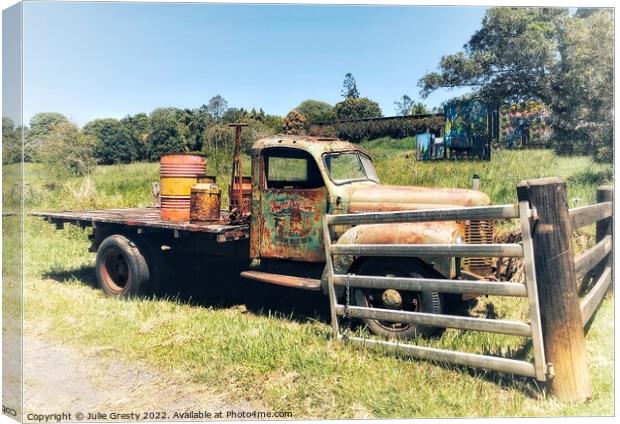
<point x="479" y="232"/>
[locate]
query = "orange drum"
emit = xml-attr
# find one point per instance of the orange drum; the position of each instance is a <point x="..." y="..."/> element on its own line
<point x="178" y="172"/>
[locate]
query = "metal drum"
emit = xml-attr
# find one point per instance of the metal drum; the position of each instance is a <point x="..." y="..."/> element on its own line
<point x="178" y="172"/>
<point x="205" y="203"/>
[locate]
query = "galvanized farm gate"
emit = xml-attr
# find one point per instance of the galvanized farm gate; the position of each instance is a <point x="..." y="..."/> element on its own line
<point x="526" y="212"/>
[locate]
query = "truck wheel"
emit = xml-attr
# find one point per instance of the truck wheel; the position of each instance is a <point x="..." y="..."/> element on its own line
<point x="121" y="267"/>
<point x="428" y="302"/>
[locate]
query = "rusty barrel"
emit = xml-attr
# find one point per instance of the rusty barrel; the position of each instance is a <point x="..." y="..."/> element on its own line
<point x="178" y="172"/>
<point x="205" y="203"/>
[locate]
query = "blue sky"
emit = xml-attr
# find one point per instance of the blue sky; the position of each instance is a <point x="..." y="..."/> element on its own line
<point x="97" y="60"/>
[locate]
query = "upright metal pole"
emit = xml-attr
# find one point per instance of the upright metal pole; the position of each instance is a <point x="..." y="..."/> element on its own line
<point x="237" y="167"/>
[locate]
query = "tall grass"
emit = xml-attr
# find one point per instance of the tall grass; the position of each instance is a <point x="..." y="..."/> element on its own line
<point x="130" y="185"/>
<point x="498" y="177"/>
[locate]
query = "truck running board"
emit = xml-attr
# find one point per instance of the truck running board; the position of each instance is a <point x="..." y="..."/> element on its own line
<point x="283" y="280"/>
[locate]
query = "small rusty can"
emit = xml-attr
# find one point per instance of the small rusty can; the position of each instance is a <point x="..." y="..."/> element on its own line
<point x="205" y="203"/>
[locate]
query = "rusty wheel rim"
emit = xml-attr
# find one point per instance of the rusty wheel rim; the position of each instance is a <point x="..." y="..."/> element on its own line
<point x="115" y="271"/>
<point x="411" y="302"/>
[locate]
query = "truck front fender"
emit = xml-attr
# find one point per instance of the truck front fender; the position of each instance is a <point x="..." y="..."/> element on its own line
<point x="408" y="233"/>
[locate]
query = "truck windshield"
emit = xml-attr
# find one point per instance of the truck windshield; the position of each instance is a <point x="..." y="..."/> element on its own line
<point x="346" y="167"/>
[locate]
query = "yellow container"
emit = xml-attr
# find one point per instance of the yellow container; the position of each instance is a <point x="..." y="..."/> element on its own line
<point x="181" y="186"/>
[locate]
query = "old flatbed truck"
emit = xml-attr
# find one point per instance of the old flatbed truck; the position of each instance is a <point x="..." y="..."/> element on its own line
<point x="295" y="181"/>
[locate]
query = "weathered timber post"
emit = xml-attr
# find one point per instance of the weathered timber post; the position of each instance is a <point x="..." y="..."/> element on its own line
<point x="604" y="227"/>
<point x="561" y="321"/>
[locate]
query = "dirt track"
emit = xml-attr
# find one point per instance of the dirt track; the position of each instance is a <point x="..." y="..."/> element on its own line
<point x="59" y="379"/>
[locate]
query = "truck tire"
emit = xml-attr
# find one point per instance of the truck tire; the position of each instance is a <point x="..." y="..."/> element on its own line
<point x="427" y="302"/>
<point x="121" y="267"/>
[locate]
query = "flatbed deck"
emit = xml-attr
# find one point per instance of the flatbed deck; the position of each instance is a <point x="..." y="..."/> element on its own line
<point x="147" y="218"/>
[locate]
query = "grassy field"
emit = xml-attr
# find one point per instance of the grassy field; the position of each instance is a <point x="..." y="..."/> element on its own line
<point x="271" y="344"/>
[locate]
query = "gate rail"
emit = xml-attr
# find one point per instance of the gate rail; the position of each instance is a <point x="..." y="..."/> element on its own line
<point x="590" y="261"/>
<point x="557" y="316"/>
<point x="531" y="329"/>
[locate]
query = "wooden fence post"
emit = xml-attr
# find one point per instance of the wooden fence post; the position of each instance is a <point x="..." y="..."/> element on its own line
<point x="604" y="227"/>
<point x="561" y="321"/>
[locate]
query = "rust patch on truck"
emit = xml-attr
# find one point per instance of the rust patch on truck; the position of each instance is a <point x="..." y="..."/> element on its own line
<point x="291" y="224"/>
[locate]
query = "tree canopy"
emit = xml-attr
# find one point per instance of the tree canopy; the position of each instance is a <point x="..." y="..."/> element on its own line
<point x="217" y="107"/>
<point x="41" y="125"/>
<point x="542" y="54"/>
<point x="165" y="136"/>
<point x="68" y="151"/>
<point x="349" y="87"/>
<point x="509" y="59"/>
<point x="316" y="110"/>
<point x="11" y="146"/>
<point x="357" y="108"/>
<point x="115" y="143"/>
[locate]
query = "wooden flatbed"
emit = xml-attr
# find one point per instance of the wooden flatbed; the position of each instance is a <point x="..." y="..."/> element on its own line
<point x="147" y="219"/>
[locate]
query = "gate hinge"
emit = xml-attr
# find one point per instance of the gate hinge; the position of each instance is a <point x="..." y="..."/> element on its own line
<point x="550" y="372"/>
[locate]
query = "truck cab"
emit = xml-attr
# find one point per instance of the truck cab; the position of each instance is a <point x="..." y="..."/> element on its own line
<point x="297" y="180"/>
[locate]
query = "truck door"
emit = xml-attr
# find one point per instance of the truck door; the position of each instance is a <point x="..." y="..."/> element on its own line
<point x="292" y="202"/>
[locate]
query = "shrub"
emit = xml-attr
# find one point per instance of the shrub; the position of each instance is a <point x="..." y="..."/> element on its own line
<point x="165" y="136"/>
<point x="322" y="131"/>
<point x="41" y="126"/>
<point x="395" y="128"/>
<point x="67" y="151"/>
<point x="316" y="111"/>
<point x="219" y="142"/>
<point x="115" y="143"/>
<point x="11" y="142"/>
<point x="294" y="123"/>
<point x="357" y="108"/>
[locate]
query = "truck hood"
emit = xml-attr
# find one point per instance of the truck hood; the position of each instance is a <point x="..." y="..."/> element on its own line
<point x="378" y="198"/>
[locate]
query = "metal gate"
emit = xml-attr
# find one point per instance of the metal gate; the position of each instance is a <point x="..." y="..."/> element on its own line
<point x="527" y="288"/>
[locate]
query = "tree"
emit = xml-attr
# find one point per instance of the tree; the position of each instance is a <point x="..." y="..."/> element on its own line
<point x="217" y="106"/>
<point x="196" y="122"/>
<point x="234" y="114"/>
<point x="419" y="108"/>
<point x="219" y="142"/>
<point x="510" y="59"/>
<point x="41" y="126"/>
<point x="274" y="123"/>
<point x="543" y="55"/>
<point x="294" y="123"/>
<point x="115" y="143"/>
<point x="11" y="146"/>
<point x="316" y="111"/>
<point x="139" y="127"/>
<point x="352" y="108"/>
<point x="166" y="134"/>
<point x="403" y="105"/>
<point x="582" y="96"/>
<point x="68" y="151"/>
<point x="349" y="87"/>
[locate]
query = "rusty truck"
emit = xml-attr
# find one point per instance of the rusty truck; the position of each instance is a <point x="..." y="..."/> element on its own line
<point x="295" y="181"/>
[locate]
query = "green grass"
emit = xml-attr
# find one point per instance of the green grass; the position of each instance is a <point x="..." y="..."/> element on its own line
<point x="498" y="177"/>
<point x="286" y="363"/>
